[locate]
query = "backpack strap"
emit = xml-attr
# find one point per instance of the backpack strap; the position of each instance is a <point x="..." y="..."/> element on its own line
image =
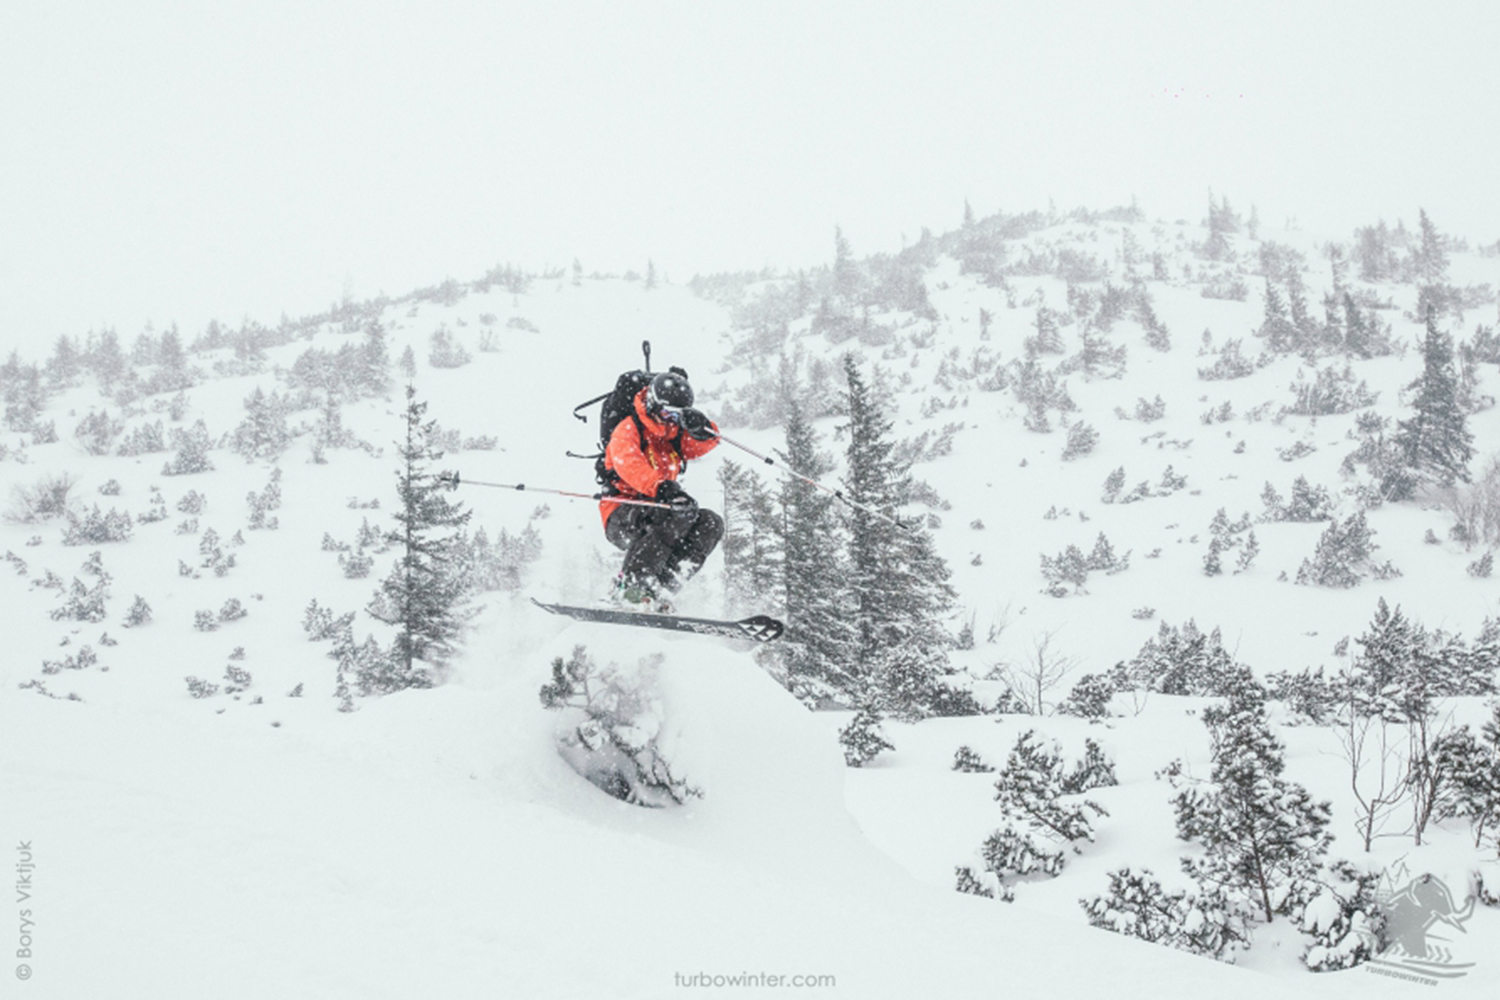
<point x="596" y="399"/>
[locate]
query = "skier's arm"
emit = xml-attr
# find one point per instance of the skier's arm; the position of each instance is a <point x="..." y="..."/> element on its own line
<point x="693" y="447"/>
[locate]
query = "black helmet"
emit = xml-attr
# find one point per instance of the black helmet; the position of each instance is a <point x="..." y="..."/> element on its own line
<point x="669" y="389"/>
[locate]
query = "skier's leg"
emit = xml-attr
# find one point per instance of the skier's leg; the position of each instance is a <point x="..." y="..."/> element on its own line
<point x="695" y="545"/>
<point x="650" y="555"/>
<point x="625" y="525"/>
<point x="626" y="528"/>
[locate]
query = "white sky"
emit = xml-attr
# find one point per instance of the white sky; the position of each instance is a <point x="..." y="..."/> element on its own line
<point x="181" y="161"/>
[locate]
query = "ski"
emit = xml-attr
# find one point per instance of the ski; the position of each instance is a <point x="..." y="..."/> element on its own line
<point x="760" y="628"/>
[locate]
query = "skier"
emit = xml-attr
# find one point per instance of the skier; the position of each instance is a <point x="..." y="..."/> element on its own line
<point x="645" y="456"/>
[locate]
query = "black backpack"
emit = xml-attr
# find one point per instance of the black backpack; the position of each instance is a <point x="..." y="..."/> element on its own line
<point x="619" y="404"/>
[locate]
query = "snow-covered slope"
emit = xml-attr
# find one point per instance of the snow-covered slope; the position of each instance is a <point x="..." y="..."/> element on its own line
<point x="435" y="842"/>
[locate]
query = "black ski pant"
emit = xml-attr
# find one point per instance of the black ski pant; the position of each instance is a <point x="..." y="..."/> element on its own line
<point x="663" y="547"/>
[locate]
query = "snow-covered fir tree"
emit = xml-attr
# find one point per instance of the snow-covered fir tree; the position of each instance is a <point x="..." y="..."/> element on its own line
<point x="1470" y="784"/>
<point x="1263" y="836"/>
<point x="264" y="432"/>
<point x="424" y="594"/>
<point x="752" y="539"/>
<point x="901" y="594"/>
<point x="818" y="652"/>
<point x="1436" y="442"/>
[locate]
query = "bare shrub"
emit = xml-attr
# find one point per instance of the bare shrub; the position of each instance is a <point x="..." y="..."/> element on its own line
<point x="1476" y="508"/>
<point x="47" y="499"/>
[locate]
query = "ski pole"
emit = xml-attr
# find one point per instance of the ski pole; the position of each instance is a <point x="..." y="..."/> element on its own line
<point x="452" y="481"/>
<point x="813" y="482"/>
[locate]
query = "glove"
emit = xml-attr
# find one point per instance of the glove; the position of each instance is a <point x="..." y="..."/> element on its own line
<point x="696" y="424"/>
<point x="671" y="492"/>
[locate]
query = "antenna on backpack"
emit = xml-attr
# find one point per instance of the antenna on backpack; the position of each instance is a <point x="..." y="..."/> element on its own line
<point x="646" y="349"/>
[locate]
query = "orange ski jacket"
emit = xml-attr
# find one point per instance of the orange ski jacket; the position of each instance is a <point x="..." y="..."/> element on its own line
<point x="645" y="461"/>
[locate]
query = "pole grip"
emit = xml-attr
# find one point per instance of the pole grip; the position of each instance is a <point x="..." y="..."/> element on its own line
<point x="646" y="350"/>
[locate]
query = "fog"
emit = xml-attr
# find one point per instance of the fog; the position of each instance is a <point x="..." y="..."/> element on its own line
<point x="179" y="162"/>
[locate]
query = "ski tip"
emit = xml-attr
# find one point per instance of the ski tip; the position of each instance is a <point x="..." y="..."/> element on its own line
<point x="762" y="628"/>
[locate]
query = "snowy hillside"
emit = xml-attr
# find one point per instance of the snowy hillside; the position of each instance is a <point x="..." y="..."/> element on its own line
<point x="204" y="820"/>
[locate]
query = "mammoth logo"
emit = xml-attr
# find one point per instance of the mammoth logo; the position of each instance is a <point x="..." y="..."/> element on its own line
<point x="1415" y="915"/>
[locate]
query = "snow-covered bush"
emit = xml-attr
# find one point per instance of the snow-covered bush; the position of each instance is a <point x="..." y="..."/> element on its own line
<point x="1039" y="390"/>
<point x="1082" y="438"/>
<point x="1332" y="391"/>
<point x="1344" y="556"/>
<point x="356" y="565"/>
<point x="1226" y="285"/>
<point x="264" y="432"/>
<point x="204" y="620"/>
<point x="110" y="488"/>
<point x="862" y="739"/>
<point x="967" y="759"/>
<point x="1344" y="919"/>
<point x="192" y="502"/>
<point x="1224" y="536"/>
<point x="1136" y="904"/>
<point x="1089" y="698"/>
<point x="1221" y="414"/>
<point x="1067" y="567"/>
<point x="1093" y="770"/>
<point x="86" y="604"/>
<point x="1071" y="566"/>
<point x="1158" y="338"/>
<point x="232" y="610"/>
<point x="139" y="613"/>
<point x="1294" y="451"/>
<point x="213" y="554"/>
<point x="447" y="352"/>
<point x="200" y="688"/>
<point x="1184" y="661"/>
<point x="143" y="440"/>
<point x="1030" y="789"/>
<point x="265" y="501"/>
<point x="236" y="679"/>
<point x="1230" y="364"/>
<point x="1469" y="771"/>
<point x="351" y="372"/>
<point x="82" y="660"/>
<point x="319" y="622"/>
<point x="1113" y="483"/>
<point x="614" y="734"/>
<point x="1147" y="412"/>
<point x="94" y="527"/>
<point x="948" y="700"/>
<point x="1307" y="503"/>
<point x="97" y="432"/>
<point x="157" y="511"/>
<point x="192" y="451"/>
<point x="1306" y="693"/>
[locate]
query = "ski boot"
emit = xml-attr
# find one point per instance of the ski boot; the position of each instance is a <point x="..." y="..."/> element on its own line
<point x="638" y="595"/>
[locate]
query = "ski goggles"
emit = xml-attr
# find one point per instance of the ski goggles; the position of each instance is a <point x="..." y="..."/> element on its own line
<point x="670" y="414"/>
